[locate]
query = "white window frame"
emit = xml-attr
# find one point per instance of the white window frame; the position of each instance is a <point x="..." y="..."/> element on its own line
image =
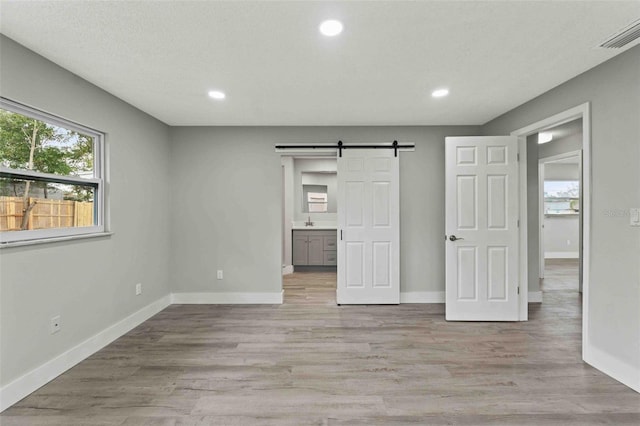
<point x="97" y="181"/>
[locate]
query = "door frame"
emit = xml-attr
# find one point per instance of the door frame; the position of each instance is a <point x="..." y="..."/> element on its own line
<point x="302" y="153"/>
<point x="581" y="111"/>
<point x="312" y="151"/>
<point x="541" y="178"/>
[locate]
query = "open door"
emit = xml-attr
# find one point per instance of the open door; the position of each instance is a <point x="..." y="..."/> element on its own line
<point x="482" y="228"/>
<point x="368" y="227"/>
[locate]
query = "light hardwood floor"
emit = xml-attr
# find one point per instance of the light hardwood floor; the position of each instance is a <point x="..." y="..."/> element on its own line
<point x="309" y="362"/>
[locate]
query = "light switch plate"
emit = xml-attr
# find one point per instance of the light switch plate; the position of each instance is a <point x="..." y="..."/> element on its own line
<point x="634" y="217"/>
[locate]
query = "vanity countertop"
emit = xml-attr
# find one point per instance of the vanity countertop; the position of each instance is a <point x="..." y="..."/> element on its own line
<point x="315" y="228"/>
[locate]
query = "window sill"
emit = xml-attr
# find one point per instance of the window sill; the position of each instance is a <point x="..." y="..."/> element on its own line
<point x="54" y="240"/>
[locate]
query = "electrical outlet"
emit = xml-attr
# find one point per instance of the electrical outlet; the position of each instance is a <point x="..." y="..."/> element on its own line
<point x="634" y="217"/>
<point x="220" y="275"/>
<point x="138" y="289"/>
<point x="55" y="324"/>
<point x="568" y="242"/>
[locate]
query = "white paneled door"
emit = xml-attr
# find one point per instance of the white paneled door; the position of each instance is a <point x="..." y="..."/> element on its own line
<point x="481" y="228"/>
<point x="368" y="227"/>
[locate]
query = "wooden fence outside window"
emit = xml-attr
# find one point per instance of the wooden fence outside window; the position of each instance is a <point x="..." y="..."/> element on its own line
<point x="47" y="213"/>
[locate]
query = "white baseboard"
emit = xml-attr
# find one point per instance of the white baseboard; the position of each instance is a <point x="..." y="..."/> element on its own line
<point x="33" y="380"/>
<point x="274" y="298"/>
<point x="561" y="255"/>
<point x="287" y="269"/>
<point x="422" y="297"/>
<point x="625" y="373"/>
<point x="535" y="297"/>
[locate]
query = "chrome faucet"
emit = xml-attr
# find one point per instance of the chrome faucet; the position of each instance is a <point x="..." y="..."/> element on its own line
<point x="308" y="222"/>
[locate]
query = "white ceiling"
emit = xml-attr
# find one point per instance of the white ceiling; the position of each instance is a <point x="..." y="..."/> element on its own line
<point x="276" y="69"/>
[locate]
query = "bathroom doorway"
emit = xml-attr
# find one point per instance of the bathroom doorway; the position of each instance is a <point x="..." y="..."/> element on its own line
<point x="309" y="224"/>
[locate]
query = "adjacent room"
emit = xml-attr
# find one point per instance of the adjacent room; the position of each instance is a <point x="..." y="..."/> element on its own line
<point x="319" y="212"/>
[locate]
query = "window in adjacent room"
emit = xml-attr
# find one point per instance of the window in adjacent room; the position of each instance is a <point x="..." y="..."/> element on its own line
<point x="51" y="176"/>
<point x="561" y="197"/>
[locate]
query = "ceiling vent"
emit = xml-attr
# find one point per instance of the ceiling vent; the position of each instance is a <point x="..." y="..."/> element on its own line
<point x="624" y="37"/>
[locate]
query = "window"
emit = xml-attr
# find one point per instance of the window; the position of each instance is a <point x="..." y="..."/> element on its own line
<point x="561" y="197"/>
<point x="51" y="176"/>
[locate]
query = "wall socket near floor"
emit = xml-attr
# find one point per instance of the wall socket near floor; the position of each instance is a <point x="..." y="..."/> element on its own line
<point x="55" y="324"/>
<point x="219" y="275"/>
<point x="138" y="289"/>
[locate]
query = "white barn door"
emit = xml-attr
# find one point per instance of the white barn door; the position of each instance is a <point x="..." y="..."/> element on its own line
<point x="481" y="228"/>
<point x="368" y="227"/>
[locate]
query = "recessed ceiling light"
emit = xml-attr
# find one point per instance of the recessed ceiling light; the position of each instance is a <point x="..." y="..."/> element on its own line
<point x="544" y="137"/>
<point x="331" y="28"/>
<point x="440" y="93"/>
<point x="216" y="94"/>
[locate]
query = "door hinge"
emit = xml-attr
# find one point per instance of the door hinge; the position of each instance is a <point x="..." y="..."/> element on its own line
<point x="518" y="290"/>
<point x="518" y="157"/>
<point x="341" y="235"/>
<point x="518" y="223"/>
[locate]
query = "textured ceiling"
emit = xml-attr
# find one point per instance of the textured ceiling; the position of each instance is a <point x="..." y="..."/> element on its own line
<point x="276" y="69"/>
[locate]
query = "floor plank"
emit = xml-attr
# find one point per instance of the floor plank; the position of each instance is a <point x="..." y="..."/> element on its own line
<point x="310" y="362"/>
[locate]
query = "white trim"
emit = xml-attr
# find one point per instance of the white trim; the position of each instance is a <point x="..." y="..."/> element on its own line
<point x="98" y="181"/>
<point x="535" y="297"/>
<point x="6" y="245"/>
<point x="38" y="377"/>
<point x="218" y="298"/>
<point x="32" y="236"/>
<point x="541" y="173"/>
<point x="562" y="255"/>
<point x="542" y="161"/>
<point x="287" y="269"/>
<point x="65" y="179"/>
<point x="581" y="111"/>
<point x="623" y="372"/>
<point x="563" y="156"/>
<point x="422" y="297"/>
<point x="571" y="114"/>
<point x="523" y="248"/>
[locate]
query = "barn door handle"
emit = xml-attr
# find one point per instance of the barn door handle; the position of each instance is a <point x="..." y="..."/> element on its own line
<point x="454" y="238"/>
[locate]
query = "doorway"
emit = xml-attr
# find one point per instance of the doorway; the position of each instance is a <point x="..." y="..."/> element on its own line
<point x="365" y="257"/>
<point x="560" y="207"/>
<point x="530" y="264"/>
<point x="309" y="211"/>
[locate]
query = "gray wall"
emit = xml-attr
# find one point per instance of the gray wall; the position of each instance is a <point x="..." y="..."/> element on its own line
<point x="561" y="236"/>
<point x="90" y="283"/>
<point x="613" y="89"/>
<point x="224" y="231"/>
<point x="561" y="171"/>
<point x="560" y="146"/>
